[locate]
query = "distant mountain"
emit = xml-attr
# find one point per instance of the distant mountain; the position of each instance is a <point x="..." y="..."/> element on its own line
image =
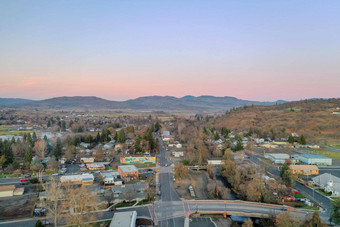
<point x="9" y="101"/>
<point x="201" y="103"/>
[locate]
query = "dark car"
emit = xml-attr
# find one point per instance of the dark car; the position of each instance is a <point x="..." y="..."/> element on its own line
<point x="113" y="209"/>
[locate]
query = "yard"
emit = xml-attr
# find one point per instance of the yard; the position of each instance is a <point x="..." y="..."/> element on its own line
<point x="327" y="153"/>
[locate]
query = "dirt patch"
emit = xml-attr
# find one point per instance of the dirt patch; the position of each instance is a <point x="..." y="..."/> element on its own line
<point x="17" y="206"/>
<point x="199" y="181"/>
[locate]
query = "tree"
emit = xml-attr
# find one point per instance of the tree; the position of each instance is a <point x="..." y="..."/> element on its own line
<point x="291" y="139"/>
<point x="36" y="165"/>
<point x="335" y="214"/>
<point x="302" y="140"/>
<point x="316" y="221"/>
<point x="39" y="224"/>
<point x="285" y="219"/>
<point x="82" y="202"/>
<point x="3" y="160"/>
<point x="286" y="175"/>
<point x="52" y="164"/>
<point x="51" y="204"/>
<point x="228" y="154"/>
<point x="40" y="148"/>
<point x="28" y="156"/>
<point x="58" y="149"/>
<point x="121" y="136"/>
<point x="181" y="171"/>
<point x="129" y="194"/>
<point x="248" y="223"/>
<point x="239" y="145"/>
<point x="70" y="153"/>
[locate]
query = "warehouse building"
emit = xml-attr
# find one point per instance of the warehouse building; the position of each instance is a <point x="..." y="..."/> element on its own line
<point x="314" y="159"/>
<point x="278" y="158"/>
<point x="128" y="172"/>
<point x="304" y="169"/>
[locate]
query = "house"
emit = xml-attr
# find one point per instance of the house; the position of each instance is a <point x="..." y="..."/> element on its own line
<point x="109" y="177"/>
<point x="128" y="172"/>
<point x="278" y="158"/>
<point x="304" y="169"/>
<point x="124" y="219"/>
<point x="87" y="160"/>
<point x="119" y="192"/>
<point x="314" y="159"/>
<point x="7" y="190"/>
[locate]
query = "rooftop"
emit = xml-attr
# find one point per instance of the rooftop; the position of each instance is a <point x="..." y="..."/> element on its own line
<point x="314" y="156"/>
<point x="124" y="219"/>
<point x="304" y="167"/>
<point x="6" y="188"/>
<point x="128" y="168"/>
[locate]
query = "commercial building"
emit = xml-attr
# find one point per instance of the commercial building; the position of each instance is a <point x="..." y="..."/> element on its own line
<point x="124" y="219"/>
<point x="304" y="169"/>
<point x="278" y="158"/>
<point x="85" y="179"/>
<point x="314" y="159"/>
<point x="139" y="160"/>
<point x="128" y="172"/>
<point x="6" y="190"/>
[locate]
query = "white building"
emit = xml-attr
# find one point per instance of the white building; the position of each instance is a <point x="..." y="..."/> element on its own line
<point x="178" y="154"/>
<point x="314" y="159"/>
<point x="124" y="219"/>
<point x="215" y="162"/>
<point x="109" y="177"/>
<point x="328" y="182"/>
<point x="278" y="158"/>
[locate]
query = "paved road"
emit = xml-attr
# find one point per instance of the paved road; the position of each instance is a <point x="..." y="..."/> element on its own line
<point x="169" y="205"/>
<point x="141" y="211"/>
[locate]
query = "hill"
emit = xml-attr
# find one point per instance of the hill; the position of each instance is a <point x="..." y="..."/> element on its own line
<point x="312" y="118"/>
<point x="186" y="103"/>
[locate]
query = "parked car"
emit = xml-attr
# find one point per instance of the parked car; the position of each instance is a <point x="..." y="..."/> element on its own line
<point x="46" y="222"/>
<point x="113" y="209"/>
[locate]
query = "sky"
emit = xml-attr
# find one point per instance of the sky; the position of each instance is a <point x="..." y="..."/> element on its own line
<point x="118" y="50"/>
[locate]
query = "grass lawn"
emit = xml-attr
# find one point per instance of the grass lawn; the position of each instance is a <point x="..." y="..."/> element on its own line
<point x="323" y="192"/>
<point x="309" y="207"/>
<point x="327" y="153"/>
<point x="139" y="165"/>
<point x="335" y="146"/>
<point x="12" y="175"/>
<point x="299" y="196"/>
<point x="124" y="204"/>
<point x="14" y="133"/>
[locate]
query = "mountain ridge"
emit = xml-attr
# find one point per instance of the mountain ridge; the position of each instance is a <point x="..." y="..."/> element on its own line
<point x="188" y="102"/>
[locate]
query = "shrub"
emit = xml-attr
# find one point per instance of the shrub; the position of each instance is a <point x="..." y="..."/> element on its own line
<point x="34" y="180"/>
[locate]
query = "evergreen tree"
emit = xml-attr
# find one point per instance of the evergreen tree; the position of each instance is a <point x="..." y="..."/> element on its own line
<point x="98" y="137"/>
<point x="157" y="126"/>
<point x="121" y="136"/>
<point x="63" y="126"/>
<point x="28" y="155"/>
<point x="138" y="144"/>
<point x="291" y="139"/>
<point x="335" y="214"/>
<point x="58" y="149"/>
<point x="302" y="140"/>
<point x="34" y="137"/>
<point x="239" y="145"/>
<point x="39" y="224"/>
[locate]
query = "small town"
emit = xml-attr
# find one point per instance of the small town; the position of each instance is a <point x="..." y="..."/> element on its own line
<point x="169" y="113"/>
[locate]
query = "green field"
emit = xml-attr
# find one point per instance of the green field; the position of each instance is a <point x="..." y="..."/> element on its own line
<point x="335" y="146"/>
<point x="327" y="153"/>
<point x="14" y="133"/>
